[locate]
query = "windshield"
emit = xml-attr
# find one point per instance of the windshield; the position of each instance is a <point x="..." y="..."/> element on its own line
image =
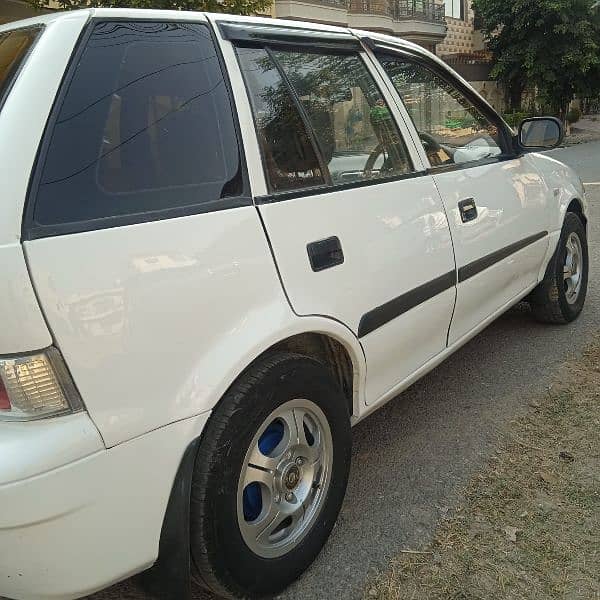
<point x="13" y="49"/>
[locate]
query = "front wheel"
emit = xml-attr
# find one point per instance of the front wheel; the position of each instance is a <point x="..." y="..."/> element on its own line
<point x="560" y="296"/>
<point x="269" y="478"/>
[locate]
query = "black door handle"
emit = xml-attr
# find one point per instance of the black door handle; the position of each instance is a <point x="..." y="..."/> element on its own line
<point x="467" y="209"/>
<point x="324" y="254"/>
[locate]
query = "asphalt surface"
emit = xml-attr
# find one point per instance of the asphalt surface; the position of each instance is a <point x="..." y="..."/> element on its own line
<point x="412" y="457"/>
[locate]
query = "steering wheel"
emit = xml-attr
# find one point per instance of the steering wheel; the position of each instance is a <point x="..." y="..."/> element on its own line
<point x="397" y="163"/>
<point x="371" y="160"/>
<point x="430" y="143"/>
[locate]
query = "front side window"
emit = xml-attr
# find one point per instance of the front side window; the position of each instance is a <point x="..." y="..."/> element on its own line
<point x="145" y="125"/>
<point x="451" y="128"/>
<point x="321" y="119"/>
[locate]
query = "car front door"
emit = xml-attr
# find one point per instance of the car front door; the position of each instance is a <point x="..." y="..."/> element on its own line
<point x="357" y="228"/>
<point x="496" y="201"/>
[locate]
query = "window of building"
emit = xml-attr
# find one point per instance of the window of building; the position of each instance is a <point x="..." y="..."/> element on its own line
<point x="146" y="125"/>
<point x="321" y="119"/>
<point x="455" y="9"/>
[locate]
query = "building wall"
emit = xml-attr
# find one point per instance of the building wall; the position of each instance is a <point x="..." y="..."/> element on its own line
<point x="492" y="91"/>
<point x="464" y="49"/>
<point x="461" y="34"/>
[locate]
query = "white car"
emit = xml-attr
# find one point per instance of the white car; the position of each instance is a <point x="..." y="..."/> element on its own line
<point x="225" y="241"/>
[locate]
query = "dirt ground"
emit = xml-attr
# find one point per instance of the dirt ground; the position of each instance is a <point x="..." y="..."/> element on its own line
<point x="587" y="129"/>
<point x="579" y="136"/>
<point x="529" y="526"/>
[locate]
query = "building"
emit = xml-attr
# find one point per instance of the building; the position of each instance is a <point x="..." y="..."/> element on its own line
<point x="420" y="21"/>
<point x="445" y="27"/>
<point x="464" y="50"/>
<point x="460" y="35"/>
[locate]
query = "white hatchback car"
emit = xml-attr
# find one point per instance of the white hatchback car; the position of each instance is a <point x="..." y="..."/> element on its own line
<point x="225" y="241"/>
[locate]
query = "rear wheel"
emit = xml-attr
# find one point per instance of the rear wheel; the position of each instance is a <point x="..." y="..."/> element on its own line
<point x="560" y="297"/>
<point x="269" y="478"/>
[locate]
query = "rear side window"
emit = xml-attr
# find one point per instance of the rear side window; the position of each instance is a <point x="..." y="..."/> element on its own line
<point x="145" y="125"/>
<point x="288" y="154"/>
<point x="14" y="46"/>
<point x="321" y="119"/>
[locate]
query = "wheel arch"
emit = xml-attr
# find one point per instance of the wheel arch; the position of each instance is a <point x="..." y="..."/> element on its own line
<point x="328" y="351"/>
<point x="327" y="341"/>
<point x="324" y="339"/>
<point x="568" y="202"/>
<point x="344" y="360"/>
<point x="576" y="206"/>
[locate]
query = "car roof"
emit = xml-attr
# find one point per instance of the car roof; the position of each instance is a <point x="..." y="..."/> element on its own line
<point x="181" y="15"/>
<point x="137" y="13"/>
<point x="176" y="15"/>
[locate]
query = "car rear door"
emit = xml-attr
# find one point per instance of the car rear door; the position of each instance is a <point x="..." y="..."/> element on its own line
<point x="496" y="201"/>
<point x="357" y="227"/>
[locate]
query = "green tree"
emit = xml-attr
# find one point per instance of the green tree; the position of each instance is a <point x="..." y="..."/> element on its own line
<point x="552" y="45"/>
<point x="239" y="7"/>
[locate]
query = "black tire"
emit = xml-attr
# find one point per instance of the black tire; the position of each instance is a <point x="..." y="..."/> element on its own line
<point x="222" y="562"/>
<point x="548" y="301"/>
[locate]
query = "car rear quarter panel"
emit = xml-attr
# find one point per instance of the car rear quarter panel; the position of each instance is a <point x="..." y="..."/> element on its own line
<point x="22" y="120"/>
<point x="24" y="115"/>
<point x="156" y="320"/>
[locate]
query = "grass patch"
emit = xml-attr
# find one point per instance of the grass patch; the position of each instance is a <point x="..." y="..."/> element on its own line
<point x="529" y="526"/>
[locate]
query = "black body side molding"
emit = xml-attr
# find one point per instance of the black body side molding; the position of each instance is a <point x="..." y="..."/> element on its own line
<point x="394" y="308"/>
<point x="171" y="576"/>
<point x="491" y="259"/>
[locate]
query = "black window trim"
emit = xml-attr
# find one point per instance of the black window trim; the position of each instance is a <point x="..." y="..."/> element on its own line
<point x="15" y="72"/>
<point x="314" y="140"/>
<point x="284" y="195"/>
<point x="330" y="189"/>
<point x="383" y="48"/>
<point x="30" y="230"/>
<point x="261" y="34"/>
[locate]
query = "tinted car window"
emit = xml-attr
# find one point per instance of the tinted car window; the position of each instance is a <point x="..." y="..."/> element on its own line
<point x="452" y="129"/>
<point x="356" y="133"/>
<point x="321" y="119"/>
<point x="145" y="125"/>
<point x="13" y="49"/>
<point x="288" y="154"/>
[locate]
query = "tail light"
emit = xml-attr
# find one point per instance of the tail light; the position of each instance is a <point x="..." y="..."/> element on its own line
<point x="35" y="386"/>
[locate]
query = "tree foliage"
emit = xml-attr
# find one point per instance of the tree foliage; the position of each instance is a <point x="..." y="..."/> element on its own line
<point x="239" y="7"/>
<point x="552" y="45"/>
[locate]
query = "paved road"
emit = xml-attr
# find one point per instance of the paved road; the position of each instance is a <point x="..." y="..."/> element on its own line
<point x="412" y="457"/>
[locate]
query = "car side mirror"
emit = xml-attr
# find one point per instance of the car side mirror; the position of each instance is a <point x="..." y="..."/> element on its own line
<point x="540" y="133"/>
